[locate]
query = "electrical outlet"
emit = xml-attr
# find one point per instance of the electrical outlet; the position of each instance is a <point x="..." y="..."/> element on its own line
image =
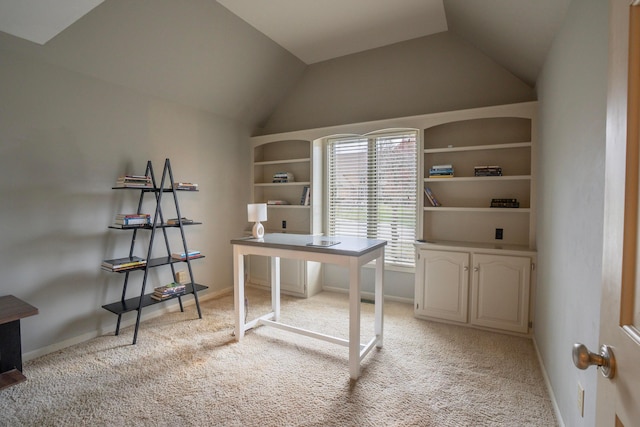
<point x="581" y="400"/>
<point x="284" y="225"/>
<point x="498" y="233"/>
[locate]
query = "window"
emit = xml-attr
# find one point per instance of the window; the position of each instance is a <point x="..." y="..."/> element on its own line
<point x="371" y="191"/>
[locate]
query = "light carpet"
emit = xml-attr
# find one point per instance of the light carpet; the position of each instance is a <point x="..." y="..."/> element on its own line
<point x="186" y="371"/>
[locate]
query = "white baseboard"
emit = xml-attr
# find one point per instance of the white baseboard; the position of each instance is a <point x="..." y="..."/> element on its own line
<point x="552" y="396"/>
<point x="168" y="308"/>
<point x="369" y="295"/>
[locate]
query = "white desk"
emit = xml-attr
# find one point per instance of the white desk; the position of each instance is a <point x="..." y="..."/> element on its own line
<point x="351" y="252"/>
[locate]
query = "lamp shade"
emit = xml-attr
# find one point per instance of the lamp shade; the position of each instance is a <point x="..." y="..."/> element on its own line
<point x="257" y="212"/>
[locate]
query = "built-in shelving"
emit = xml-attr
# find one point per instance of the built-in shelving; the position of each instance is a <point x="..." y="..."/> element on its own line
<point x="466" y="215"/>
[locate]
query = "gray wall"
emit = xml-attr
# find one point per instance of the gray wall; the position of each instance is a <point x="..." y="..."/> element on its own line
<point x="98" y="101"/>
<point x="572" y="95"/>
<point x="65" y="138"/>
<point x="426" y="75"/>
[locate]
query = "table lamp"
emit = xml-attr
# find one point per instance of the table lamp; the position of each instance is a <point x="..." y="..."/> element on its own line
<point x="257" y="212"/>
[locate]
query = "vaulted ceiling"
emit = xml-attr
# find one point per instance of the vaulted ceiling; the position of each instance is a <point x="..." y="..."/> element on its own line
<point x="516" y="34"/>
<point x="220" y="55"/>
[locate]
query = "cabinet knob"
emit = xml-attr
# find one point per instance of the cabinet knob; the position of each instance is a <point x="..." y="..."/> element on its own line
<point x="466" y="268"/>
<point x="476" y="268"/>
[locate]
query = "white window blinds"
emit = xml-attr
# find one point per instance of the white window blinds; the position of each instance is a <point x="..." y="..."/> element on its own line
<point x="371" y="191"/>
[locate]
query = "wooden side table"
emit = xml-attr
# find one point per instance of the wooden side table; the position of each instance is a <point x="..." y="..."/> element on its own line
<point x="12" y="309"/>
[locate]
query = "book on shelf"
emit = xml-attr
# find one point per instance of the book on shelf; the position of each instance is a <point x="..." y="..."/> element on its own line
<point x="280" y="177"/>
<point x="132" y="219"/>
<point x="430" y="197"/>
<point x="119" y="264"/>
<point x="168" y="291"/>
<point x="441" y="167"/>
<point x="125" y="226"/>
<point x="188" y="186"/>
<point x="487" y="171"/>
<point x="176" y="221"/>
<point x="134" y="181"/>
<point x="277" y="202"/>
<point x="505" y="203"/>
<point x="441" y="171"/>
<point x="305" y="199"/>
<point x="183" y="255"/>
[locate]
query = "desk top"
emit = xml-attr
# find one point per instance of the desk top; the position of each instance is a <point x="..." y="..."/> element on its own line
<point x="340" y="245"/>
<point x="12" y="308"/>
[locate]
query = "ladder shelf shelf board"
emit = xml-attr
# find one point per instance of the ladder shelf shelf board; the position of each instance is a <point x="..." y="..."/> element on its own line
<point x="132" y="304"/>
<point x="149" y="227"/>
<point x="157" y="225"/>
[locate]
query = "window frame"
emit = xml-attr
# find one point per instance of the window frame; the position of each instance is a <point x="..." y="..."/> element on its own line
<point x="371" y="137"/>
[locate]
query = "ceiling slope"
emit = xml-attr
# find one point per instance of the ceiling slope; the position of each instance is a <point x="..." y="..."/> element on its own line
<point x="315" y="31"/>
<point x="516" y="34"/>
<point x="41" y="20"/>
<point x="195" y="53"/>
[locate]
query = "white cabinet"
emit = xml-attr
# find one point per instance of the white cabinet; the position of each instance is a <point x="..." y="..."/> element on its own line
<point x="494" y="293"/>
<point x="297" y="278"/>
<point x="444" y="289"/>
<point x="500" y="292"/>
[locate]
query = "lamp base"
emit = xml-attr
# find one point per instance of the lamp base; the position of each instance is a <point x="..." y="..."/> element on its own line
<point x="258" y="230"/>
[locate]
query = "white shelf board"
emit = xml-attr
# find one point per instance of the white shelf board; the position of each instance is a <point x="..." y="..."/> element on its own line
<point x="280" y="184"/>
<point x="478" y="210"/>
<point x="281" y="162"/>
<point x="480" y="178"/>
<point x="478" y="147"/>
<point x="288" y="206"/>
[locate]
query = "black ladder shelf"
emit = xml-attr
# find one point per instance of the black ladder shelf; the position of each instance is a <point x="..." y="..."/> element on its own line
<point x="125" y="305"/>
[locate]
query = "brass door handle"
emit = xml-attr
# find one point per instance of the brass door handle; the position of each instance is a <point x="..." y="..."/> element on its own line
<point x="583" y="358"/>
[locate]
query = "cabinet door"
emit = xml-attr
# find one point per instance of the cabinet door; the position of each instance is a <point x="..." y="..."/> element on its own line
<point x="292" y="274"/>
<point x="442" y="285"/>
<point x="258" y="270"/>
<point x="500" y="292"/>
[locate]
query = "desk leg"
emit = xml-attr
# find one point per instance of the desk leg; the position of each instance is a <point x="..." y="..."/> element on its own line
<point x="379" y="299"/>
<point x="354" y="318"/>
<point x="275" y="287"/>
<point x="238" y="291"/>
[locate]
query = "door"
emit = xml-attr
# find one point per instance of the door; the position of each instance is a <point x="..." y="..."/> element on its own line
<point x="500" y="292"/>
<point x="618" y="398"/>
<point x="442" y="285"/>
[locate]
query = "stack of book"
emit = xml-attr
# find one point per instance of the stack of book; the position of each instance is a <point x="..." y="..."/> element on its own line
<point x="134" y="181"/>
<point x="505" y="203"/>
<point x="430" y="197"/>
<point x="132" y="220"/>
<point x="441" y="171"/>
<point x="175" y="221"/>
<point x="167" y="291"/>
<point x="487" y="171"/>
<point x="183" y="255"/>
<point x="280" y="177"/>
<point x="188" y="186"/>
<point x="122" y="264"/>
<point x="277" y="202"/>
